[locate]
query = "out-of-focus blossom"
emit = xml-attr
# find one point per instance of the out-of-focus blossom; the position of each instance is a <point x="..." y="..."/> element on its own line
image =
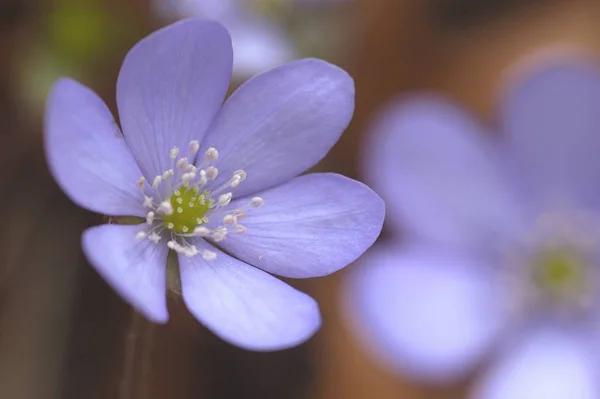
<point x="258" y="29"/>
<point x="214" y="183"/>
<point x="501" y="253"/>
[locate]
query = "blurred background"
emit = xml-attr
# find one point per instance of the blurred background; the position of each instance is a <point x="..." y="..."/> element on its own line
<point x="65" y="334"/>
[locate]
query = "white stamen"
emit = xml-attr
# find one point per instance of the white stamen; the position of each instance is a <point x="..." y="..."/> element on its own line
<point x="154" y="237"/>
<point x="201" y="231"/>
<point x="186" y="177"/>
<point x="229" y="219"/>
<point x="165" y="208"/>
<point x="194" y="146"/>
<point x="235" y="181"/>
<point x="224" y="199"/>
<point x="173" y="153"/>
<point x="182" y="163"/>
<point x="150" y="217"/>
<point x="240" y="229"/>
<point x="190" y="251"/>
<point x="141" y="235"/>
<point x="209" y="255"/>
<point x="211" y="173"/>
<point x="257" y="202"/>
<point x="239" y="214"/>
<point x="156" y="182"/>
<point x="168" y="174"/>
<point x="211" y="154"/>
<point x="219" y="235"/>
<point x="148" y="202"/>
<point x="241" y="173"/>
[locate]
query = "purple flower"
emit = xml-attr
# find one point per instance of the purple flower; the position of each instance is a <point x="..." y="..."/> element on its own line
<point x="260" y="40"/>
<point x="199" y="171"/>
<point x="501" y="252"/>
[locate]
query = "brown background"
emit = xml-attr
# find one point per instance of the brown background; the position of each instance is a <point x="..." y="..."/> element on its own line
<point x="65" y="334"/>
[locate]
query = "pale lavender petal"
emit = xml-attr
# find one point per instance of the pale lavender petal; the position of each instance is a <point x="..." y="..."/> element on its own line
<point x="280" y="123"/>
<point x="170" y="87"/>
<point x="552" y="121"/>
<point x="312" y="226"/>
<point x="429" y="315"/>
<point x="439" y="175"/>
<point x="87" y="154"/>
<point x="135" y="269"/>
<point x="545" y="364"/>
<point x="246" y="306"/>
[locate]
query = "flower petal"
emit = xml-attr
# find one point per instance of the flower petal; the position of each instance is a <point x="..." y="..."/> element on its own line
<point x="135" y="269"/>
<point x="546" y="364"/>
<point x="258" y="46"/>
<point x="87" y="153"/>
<point x="280" y="123"/>
<point x="246" y="306"/>
<point x="439" y="175"/>
<point x="312" y="226"/>
<point x="552" y="121"/>
<point x="425" y="314"/>
<point x="170" y="87"/>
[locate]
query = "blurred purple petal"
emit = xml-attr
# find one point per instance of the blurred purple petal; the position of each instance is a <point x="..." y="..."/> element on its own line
<point x="135" y="269"/>
<point x="87" y="153"/>
<point x="259" y="46"/>
<point x="546" y="364"/>
<point x="430" y="315"/>
<point x="312" y="226"/>
<point x="170" y="87"/>
<point x="439" y="175"/>
<point x="244" y="305"/>
<point x="280" y="123"/>
<point x="552" y="121"/>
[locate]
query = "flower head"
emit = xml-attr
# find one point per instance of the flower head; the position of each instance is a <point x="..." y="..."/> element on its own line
<point x="206" y="177"/>
<point x="502" y="249"/>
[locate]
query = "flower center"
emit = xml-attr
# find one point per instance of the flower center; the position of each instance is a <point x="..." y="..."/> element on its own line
<point x="183" y="204"/>
<point x="190" y="207"/>
<point x="560" y="274"/>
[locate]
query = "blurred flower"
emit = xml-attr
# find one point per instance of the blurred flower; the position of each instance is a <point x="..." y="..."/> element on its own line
<point x="260" y="38"/>
<point x="270" y="130"/>
<point x="502" y="241"/>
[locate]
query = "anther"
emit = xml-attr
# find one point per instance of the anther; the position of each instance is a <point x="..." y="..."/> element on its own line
<point x="241" y="173"/>
<point x="229" y="219"/>
<point x="148" y="202"/>
<point x="182" y="163"/>
<point x="154" y="237"/>
<point x="240" y="229"/>
<point x="194" y="146"/>
<point x="209" y="255"/>
<point x="186" y="177"/>
<point x="211" y="154"/>
<point x="156" y="182"/>
<point x="224" y="199"/>
<point x="168" y="174"/>
<point x="219" y="235"/>
<point x="165" y="208"/>
<point x="257" y="202"/>
<point x="150" y="217"/>
<point x="141" y="182"/>
<point x="201" y="231"/>
<point x="173" y="153"/>
<point x="141" y="235"/>
<point x="211" y="173"/>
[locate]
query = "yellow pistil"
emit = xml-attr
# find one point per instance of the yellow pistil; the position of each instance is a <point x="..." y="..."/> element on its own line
<point x="190" y="207"/>
<point x="560" y="273"/>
